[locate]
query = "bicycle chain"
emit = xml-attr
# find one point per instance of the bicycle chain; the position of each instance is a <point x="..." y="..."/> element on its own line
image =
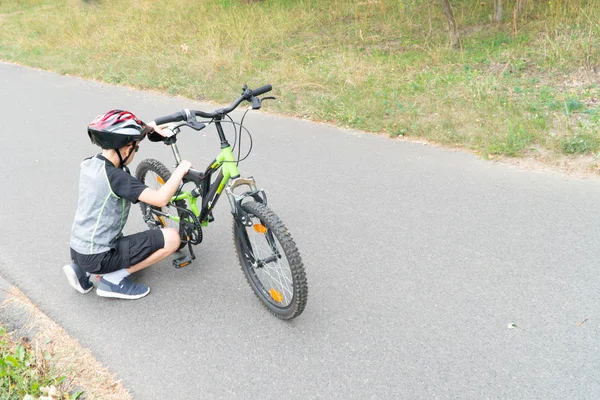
<point x="193" y="229"/>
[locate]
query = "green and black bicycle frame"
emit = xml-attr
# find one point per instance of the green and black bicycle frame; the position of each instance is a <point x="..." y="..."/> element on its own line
<point x="227" y="179"/>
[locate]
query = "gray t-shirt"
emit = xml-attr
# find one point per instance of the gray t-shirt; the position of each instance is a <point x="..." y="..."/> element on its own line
<point x="105" y="196"/>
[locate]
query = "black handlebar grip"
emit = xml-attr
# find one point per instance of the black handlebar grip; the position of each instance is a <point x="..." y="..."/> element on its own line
<point x="178" y="116"/>
<point x="261" y="90"/>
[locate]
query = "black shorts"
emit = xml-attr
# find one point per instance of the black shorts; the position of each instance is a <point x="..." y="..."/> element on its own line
<point x="127" y="251"/>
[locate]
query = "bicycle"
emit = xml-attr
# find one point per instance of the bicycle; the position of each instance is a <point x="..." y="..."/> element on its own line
<point x="266" y="251"/>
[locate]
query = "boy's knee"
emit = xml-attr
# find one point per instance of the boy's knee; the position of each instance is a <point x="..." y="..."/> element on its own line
<point x="172" y="239"/>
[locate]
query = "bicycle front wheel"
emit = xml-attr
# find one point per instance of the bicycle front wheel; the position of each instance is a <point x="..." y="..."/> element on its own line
<point x="271" y="262"/>
<point x="154" y="174"/>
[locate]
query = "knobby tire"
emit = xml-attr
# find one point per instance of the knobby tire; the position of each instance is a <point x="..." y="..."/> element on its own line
<point x="141" y="173"/>
<point x="298" y="293"/>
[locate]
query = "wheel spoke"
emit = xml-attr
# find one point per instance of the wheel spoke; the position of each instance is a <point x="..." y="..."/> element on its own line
<point x="275" y="274"/>
<point x="270" y="261"/>
<point x="155" y="181"/>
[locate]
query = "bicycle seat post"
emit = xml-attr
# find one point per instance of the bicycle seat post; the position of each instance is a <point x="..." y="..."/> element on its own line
<point x="175" y="150"/>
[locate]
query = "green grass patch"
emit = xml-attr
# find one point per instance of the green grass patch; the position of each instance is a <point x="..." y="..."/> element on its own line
<point x="381" y="66"/>
<point x="512" y="143"/>
<point x="23" y="374"/>
<point x="581" y="144"/>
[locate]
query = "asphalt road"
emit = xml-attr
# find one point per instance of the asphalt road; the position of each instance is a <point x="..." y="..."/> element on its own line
<point x="418" y="259"/>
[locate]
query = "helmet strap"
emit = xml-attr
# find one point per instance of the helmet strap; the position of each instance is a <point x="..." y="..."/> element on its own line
<point x="121" y="160"/>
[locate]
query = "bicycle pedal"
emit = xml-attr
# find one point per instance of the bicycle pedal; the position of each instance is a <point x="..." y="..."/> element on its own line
<point x="182" y="262"/>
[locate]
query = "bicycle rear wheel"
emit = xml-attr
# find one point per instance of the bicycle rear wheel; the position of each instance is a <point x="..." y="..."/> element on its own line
<point x="271" y="262"/>
<point x="154" y="174"/>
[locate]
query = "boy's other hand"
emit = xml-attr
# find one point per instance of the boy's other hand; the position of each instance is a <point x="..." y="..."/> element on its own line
<point x="160" y="197"/>
<point x="162" y="130"/>
<point x="184" y="166"/>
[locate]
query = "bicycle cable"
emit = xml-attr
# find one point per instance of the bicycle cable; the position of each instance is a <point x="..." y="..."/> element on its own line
<point x="236" y="142"/>
<point x="249" y="149"/>
<point x="235" y="133"/>
<point x="240" y="147"/>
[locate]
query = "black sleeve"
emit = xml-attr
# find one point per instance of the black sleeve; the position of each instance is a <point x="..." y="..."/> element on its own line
<point x="124" y="185"/>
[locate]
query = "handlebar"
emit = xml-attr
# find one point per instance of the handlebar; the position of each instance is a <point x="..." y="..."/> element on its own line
<point x="178" y="116"/>
<point x="186" y="115"/>
<point x="261" y="90"/>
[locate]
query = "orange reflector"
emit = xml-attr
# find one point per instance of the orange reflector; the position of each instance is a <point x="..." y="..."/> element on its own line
<point x="260" y="228"/>
<point x="160" y="180"/>
<point x="162" y="221"/>
<point x="275" y="294"/>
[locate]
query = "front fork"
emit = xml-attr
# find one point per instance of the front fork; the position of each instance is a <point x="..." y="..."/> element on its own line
<point x="235" y="200"/>
<point x="243" y="219"/>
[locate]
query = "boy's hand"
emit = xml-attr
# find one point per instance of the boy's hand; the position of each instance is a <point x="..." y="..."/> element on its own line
<point x="161" y="197"/>
<point x="161" y="129"/>
<point x="183" y="167"/>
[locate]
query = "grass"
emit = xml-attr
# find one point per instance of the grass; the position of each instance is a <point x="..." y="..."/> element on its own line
<point x="376" y="65"/>
<point x="25" y="374"/>
<point x="39" y="360"/>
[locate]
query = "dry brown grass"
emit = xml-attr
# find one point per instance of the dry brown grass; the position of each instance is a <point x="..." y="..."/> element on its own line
<point x="82" y="371"/>
<point x="374" y="65"/>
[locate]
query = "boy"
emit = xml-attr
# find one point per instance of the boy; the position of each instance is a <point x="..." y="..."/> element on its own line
<point x="106" y="191"/>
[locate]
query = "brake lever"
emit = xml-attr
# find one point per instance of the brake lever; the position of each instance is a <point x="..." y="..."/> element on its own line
<point x="256" y="102"/>
<point x="196" y="125"/>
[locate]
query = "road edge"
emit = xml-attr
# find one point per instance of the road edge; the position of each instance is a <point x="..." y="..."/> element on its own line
<point x="23" y="319"/>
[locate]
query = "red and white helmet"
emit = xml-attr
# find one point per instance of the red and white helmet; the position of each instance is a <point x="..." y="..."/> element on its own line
<point x="117" y="128"/>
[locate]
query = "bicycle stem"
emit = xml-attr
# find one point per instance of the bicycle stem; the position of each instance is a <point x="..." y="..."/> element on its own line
<point x="224" y="142"/>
